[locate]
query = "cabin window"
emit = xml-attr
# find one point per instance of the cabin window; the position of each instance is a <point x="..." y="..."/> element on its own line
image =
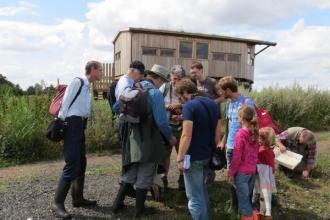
<point x="233" y="57"/>
<point x="186" y="49"/>
<point x="167" y="52"/>
<point x="218" y="56"/>
<point x="117" y="56"/>
<point x="202" y="50"/>
<point x="149" y="51"/>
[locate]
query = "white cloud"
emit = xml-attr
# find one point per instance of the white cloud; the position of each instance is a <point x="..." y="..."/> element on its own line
<point x="23" y="7"/>
<point x="301" y="55"/>
<point x="30" y="52"/>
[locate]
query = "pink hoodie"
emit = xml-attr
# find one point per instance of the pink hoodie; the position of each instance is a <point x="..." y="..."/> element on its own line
<point x="245" y="154"/>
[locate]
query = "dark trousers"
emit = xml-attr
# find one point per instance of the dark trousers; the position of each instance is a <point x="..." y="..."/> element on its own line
<point x="74" y="148"/>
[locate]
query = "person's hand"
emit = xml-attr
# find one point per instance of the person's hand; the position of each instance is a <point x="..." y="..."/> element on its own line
<point x="220" y="145"/>
<point x="173" y="141"/>
<point x="305" y="173"/>
<point x="282" y="148"/>
<point x="230" y="180"/>
<point x="180" y="165"/>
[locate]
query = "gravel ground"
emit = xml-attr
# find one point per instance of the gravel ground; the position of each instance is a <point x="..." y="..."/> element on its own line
<point x="27" y="191"/>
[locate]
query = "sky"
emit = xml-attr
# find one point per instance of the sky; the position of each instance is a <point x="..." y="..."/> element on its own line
<point x="42" y="40"/>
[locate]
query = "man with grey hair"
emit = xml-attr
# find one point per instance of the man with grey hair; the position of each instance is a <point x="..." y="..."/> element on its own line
<point x="302" y="141"/>
<point x="75" y="109"/>
<point x="174" y="110"/>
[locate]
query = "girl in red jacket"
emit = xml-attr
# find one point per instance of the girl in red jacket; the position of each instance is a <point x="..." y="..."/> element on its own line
<point x="264" y="184"/>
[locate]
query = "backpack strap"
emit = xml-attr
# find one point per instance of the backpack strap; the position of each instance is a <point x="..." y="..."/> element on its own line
<point x="78" y="93"/>
<point x="212" y="128"/>
<point x="244" y="102"/>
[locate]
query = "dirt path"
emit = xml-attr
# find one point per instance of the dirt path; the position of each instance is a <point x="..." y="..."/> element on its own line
<point x="27" y="191"/>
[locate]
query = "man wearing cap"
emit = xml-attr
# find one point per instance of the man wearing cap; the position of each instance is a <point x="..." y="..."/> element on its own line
<point x="174" y="112"/>
<point x="144" y="150"/>
<point x="134" y="74"/>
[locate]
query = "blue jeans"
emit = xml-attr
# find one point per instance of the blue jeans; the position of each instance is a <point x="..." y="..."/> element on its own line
<point x="244" y="188"/>
<point x="196" y="189"/>
<point x="229" y="156"/>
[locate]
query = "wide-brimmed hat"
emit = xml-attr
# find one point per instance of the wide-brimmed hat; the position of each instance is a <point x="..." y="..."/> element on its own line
<point x="159" y="70"/>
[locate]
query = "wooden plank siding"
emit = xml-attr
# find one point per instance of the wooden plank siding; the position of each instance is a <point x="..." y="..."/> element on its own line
<point x="122" y="46"/>
<point x="103" y="84"/>
<point x="212" y="67"/>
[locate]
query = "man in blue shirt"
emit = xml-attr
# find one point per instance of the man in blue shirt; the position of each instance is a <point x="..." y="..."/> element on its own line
<point x="200" y="133"/>
<point x="144" y="149"/>
<point x="75" y="117"/>
<point x="228" y="87"/>
<point x="134" y="74"/>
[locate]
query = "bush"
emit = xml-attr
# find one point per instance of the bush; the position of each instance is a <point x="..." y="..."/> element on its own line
<point x="24" y="119"/>
<point x="23" y="122"/>
<point x="295" y="106"/>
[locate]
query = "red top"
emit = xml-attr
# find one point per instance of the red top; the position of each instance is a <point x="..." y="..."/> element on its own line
<point x="266" y="156"/>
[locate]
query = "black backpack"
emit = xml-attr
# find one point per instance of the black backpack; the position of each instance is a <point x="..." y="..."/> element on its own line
<point x="111" y="93"/>
<point x="133" y="103"/>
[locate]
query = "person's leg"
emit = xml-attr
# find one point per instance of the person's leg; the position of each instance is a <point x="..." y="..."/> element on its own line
<point x="194" y="182"/>
<point x="145" y="176"/>
<point x="72" y="148"/>
<point x="128" y="178"/>
<point x="78" y="184"/>
<point x="205" y="188"/>
<point x="166" y="167"/>
<point x="243" y="193"/>
<point x="232" y="203"/>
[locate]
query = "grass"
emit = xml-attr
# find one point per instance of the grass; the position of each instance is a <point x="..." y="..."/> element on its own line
<point x="3" y="186"/>
<point x="104" y="170"/>
<point x="297" y="198"/>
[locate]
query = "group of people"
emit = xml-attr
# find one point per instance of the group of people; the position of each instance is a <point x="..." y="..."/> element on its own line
<point x="184" y="113"/>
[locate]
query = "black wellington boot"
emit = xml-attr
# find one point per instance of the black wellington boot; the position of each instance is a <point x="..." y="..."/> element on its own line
<point x="141" y="195"/>
<point x="118" y="204"/>
<point x="77" y="192"/>
<point x="60" y="195"/>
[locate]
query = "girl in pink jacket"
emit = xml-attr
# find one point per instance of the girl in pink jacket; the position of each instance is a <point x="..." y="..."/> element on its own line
<point x="245" y="157"/>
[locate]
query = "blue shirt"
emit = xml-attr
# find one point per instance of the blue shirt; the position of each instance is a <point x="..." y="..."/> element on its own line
<point x="157" y="105"/>
<point x="81" y="106"/>
<point x="124" y="82"/>
<point x="202" y="142"/>
<point x="232" y="116"/>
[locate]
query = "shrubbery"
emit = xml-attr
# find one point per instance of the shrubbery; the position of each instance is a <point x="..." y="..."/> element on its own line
<point x="24" y="119"/>
<point x="23" y="122"/>
<point x="295" y="106"/>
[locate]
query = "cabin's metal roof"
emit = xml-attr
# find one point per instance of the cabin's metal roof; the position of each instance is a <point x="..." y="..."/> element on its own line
<point x="195" y="35"/>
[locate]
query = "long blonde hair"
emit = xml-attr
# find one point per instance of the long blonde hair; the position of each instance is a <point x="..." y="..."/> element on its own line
<point x="267" y="136"/>
<point x="248" y="114"/>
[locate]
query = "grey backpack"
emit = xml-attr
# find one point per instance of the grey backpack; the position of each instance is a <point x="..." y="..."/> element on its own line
<point x="133" y="103"/>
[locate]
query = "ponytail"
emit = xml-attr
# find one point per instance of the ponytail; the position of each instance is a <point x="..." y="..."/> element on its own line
<point x="255" y="128"/>
<point x="248" y="114"/>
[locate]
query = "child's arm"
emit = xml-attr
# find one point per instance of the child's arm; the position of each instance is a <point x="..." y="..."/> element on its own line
<point x="237" y="155"/>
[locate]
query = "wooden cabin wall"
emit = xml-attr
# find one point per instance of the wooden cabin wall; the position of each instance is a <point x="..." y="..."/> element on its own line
<point x="212" y="68"/>
<point x="122" y="46"/>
